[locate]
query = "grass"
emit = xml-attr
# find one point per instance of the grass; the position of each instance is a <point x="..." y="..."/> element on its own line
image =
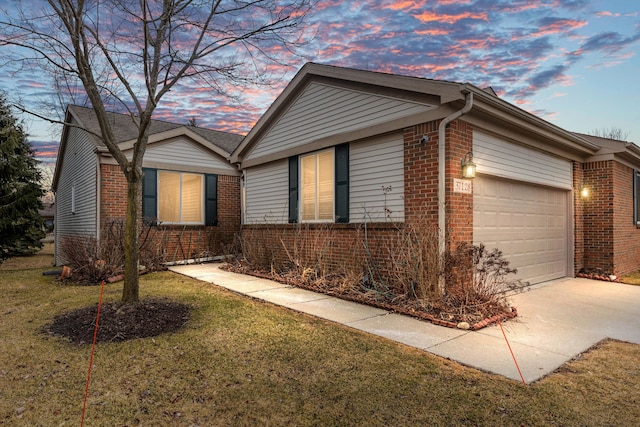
<point x="243" y="362"/>
<point x="631" y="279"/>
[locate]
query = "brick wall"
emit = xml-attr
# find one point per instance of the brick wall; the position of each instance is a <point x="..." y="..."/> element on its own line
<point x="179" y="241"/>
<point x="611" y="240"/>
<point x="626" y="241"/>
<point x="421" y="178"/>
<point x="421" y="173"/>
<point x="459" y="206"/>
<point x="598" y="216"/>
<point x="578" y="217"/>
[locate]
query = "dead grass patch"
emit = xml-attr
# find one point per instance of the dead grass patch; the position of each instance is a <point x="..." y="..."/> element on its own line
<point x="631" y="279"/>
<point x="42" y="259"/>
<point x="242" y="362"/>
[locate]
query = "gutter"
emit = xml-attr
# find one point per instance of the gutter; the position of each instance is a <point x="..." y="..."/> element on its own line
<point x="442" y="224"/>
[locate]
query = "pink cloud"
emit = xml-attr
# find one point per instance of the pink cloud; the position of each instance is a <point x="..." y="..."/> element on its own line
<point x="450" y="19"/>
<point x="432" y="32"/>
<point x="403" y="5"/>
<point x="606" y="13"/>
<point x="558" y="26"/>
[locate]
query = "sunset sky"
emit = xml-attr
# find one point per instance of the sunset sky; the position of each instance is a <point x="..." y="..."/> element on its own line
<point x="574" y="63"/>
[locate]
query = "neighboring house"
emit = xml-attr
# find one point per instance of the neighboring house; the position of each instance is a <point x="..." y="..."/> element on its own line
<point x="352" y="148"/>
<point x="48" y="215"/>
<point x="190" y="191"/>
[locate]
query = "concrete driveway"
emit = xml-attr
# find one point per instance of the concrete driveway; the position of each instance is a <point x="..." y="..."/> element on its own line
<point x="556" y="321"/>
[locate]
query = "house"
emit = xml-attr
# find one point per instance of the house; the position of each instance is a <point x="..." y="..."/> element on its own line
<point x="355" y="149"/>
<point x="48" y="215"/>
<point x="191" y="192"/>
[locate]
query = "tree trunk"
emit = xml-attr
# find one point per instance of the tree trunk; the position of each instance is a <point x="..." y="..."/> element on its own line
<point x="130" y="292"/>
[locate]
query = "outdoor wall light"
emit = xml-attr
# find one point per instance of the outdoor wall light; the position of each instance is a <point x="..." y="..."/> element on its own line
<point x="468" y="167"/>
<point x="584" y="191"/>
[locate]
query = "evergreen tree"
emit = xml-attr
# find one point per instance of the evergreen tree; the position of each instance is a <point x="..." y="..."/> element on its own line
<point x="20" y="224"/>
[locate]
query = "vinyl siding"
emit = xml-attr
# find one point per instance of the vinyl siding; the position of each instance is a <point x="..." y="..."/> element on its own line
<point x="494" y="156"/>
<point x="373" y="165"/>
<point x="78" y="169"/>
<point x="184" y="153"/>
<point x="323" y="110"/>
<point x="267" y="193"/>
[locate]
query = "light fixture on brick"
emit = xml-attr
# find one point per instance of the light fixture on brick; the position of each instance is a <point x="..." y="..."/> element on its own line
<point x="584" y="191"/>
<point x="468" y="167"/>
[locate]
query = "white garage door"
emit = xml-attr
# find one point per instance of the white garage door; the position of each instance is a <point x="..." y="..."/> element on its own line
<point x="528" y="223"/>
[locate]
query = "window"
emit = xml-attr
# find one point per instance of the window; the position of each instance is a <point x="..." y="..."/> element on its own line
<point x="179" y="197"/>
<point x="321" y="193"/>
<point x="73" y="198"/>
<point x="317" y="186"/>
<point x="636" y="197"/>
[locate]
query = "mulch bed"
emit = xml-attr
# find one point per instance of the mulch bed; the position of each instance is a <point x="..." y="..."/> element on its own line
<point x="439" y="314"/>
<point x="120" y="322"/>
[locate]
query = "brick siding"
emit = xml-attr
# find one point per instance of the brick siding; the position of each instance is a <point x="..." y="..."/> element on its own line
<point x="578" y="217"/>
<point x="179" y="241"/>
<point x="611" y="239"/>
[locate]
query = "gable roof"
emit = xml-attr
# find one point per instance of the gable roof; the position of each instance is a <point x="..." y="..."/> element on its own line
<point x="125" y="132"/>
<point x="628" y="152"/>
<point x="125" y="129"/>
<point x="448" y="96"/>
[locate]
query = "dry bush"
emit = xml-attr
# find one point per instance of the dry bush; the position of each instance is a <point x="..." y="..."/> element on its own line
<point x="82" y="252"/>
<point x="402" y="262"/>
<point x="310" y="251"/>
<point x="151" y="244"/>
<point x="413" y="260"/>
<point x="94" y="261"/>
<point x="314" y="256"/>
<point x="191" y="244"/>
<point x="476" y="278"/>
<point x="258" y="248"/>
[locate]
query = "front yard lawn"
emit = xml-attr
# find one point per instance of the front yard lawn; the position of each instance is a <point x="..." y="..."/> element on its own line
<point x="243" y="362"/>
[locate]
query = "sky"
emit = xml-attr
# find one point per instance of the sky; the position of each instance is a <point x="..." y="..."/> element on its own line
<point x="574" y="63"/>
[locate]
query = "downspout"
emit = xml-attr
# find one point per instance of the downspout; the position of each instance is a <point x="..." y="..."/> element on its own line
<point x="442" y="224"/>
<point x="98" y="195"/>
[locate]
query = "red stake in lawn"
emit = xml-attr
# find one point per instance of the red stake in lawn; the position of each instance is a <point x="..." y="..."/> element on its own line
<point x="93" y="348"/>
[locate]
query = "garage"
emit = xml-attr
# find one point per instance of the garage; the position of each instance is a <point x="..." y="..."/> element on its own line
<point x="528" y="223"/>
<point x="521" y="205"/>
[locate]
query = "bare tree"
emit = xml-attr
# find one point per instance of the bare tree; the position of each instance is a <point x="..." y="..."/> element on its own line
<point x="131" y="53"/>
<point x="611" y="133"/>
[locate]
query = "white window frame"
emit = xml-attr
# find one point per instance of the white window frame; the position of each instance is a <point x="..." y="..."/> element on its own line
<point x="202" y="198"/>
<point x="73" y="198"/>
<point x="316" y="219"/>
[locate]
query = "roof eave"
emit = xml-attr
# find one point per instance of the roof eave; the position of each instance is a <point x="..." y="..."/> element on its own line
<point x="516" y="116"/>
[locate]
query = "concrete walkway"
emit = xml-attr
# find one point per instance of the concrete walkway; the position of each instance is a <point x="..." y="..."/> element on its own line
<point x="556" y="321"/>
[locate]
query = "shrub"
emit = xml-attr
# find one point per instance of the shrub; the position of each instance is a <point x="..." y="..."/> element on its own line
<point x="83" y="253"/>
<point x="259" y="249"/>
<point x="95" y="260"/>
<point x="413" y="260"/>
<point x="476" y="277"/>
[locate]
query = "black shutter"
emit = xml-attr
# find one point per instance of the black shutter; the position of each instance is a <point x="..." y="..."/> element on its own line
<point x="293" y="190"/>
<point x="342" y="183"/>
<point x="150" y="196"/>
<point x="211" y="199"/>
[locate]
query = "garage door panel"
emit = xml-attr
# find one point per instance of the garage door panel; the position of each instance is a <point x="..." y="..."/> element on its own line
<point x="528" y="223"/>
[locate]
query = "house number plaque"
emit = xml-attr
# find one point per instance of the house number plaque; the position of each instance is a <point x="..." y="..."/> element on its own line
<point x="464" y="186"/>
